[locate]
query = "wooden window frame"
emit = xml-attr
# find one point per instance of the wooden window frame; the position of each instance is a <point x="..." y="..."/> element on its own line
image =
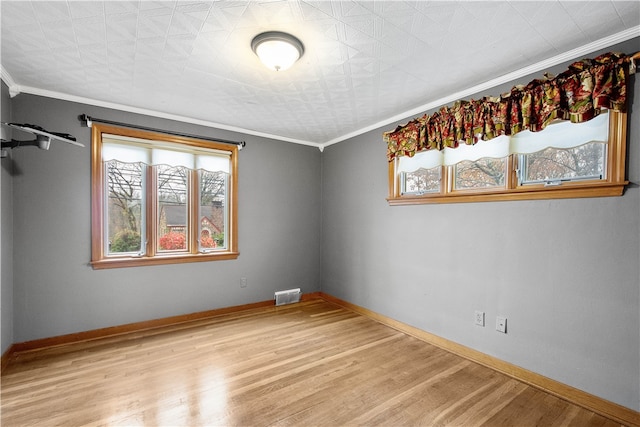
<point x="101" y="260"/>
<point x="612" y="185"/>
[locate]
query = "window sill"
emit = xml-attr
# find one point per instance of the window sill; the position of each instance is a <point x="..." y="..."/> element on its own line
<point x="521" y="193"/>
<point x="160" y="260"/>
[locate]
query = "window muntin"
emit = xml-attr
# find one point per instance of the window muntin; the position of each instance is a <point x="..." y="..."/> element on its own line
<point x="161" y="199"/>
<point x="604" y="136"/>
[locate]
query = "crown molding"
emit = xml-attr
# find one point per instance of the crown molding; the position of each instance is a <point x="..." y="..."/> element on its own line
<point x="534" y="68"/>
<point x="154" y="113"/>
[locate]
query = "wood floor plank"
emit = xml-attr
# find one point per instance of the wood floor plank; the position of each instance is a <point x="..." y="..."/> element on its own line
<point x="312" y="363"/>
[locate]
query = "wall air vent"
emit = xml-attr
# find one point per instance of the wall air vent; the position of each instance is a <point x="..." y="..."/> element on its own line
<point x="287" y="297"/>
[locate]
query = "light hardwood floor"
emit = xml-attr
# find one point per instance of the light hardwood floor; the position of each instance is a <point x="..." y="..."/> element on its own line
<point x="308" y="364"/>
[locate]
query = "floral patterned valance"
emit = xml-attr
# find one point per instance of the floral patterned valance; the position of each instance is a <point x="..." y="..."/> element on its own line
<point x="577" y="94"/>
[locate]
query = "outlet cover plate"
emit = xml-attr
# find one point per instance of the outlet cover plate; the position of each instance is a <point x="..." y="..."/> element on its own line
<point x="479" y="318"/>
<point x="501" y="324"/>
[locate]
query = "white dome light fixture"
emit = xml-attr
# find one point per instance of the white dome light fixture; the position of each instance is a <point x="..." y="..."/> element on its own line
<point x="277" y="50"/>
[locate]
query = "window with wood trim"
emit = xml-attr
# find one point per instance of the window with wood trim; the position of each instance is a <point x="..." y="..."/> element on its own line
<point x="161" y="199"/>
<point x="555" y="137"/>
<point x="565" y="160"/>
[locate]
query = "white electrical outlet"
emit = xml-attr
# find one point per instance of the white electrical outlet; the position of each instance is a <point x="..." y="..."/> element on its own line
<point x="243" y="282"/>
<point x="479" y="318"/>
<point x="501" y="324"/>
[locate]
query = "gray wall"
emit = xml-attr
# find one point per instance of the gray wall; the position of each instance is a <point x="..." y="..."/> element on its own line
<point x="6" y="232"/>
<point x="564" y="272"/>
<point x="56" y="291"/>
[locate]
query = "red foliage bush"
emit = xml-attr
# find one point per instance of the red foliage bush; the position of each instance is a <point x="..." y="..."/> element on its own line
<point x="173" y="241"/>
<point x="207" y="242"/>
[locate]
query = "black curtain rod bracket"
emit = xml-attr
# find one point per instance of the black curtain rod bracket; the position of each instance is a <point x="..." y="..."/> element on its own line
<point x="87" y="121"/>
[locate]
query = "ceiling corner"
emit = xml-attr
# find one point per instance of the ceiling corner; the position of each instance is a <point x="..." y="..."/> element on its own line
<point x="14" y="89"/>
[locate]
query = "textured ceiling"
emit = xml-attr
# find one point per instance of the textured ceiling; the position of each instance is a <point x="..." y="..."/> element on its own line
<point x="366" y="64"/>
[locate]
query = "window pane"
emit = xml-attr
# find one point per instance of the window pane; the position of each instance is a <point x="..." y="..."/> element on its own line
<point x="553" y="164"/>
<point x="124" y="207"/>
<point x="213" y="210"/>
<point x="172" y="208"/>
<point x="421" y="181"/>
<point x="483" y="173"/>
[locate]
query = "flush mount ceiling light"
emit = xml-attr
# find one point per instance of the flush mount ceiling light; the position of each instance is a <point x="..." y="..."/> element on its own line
<point x="277" y="50"/>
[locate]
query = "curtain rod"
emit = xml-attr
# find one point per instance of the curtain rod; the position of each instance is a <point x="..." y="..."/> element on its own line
<point x="88" y="119"/>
